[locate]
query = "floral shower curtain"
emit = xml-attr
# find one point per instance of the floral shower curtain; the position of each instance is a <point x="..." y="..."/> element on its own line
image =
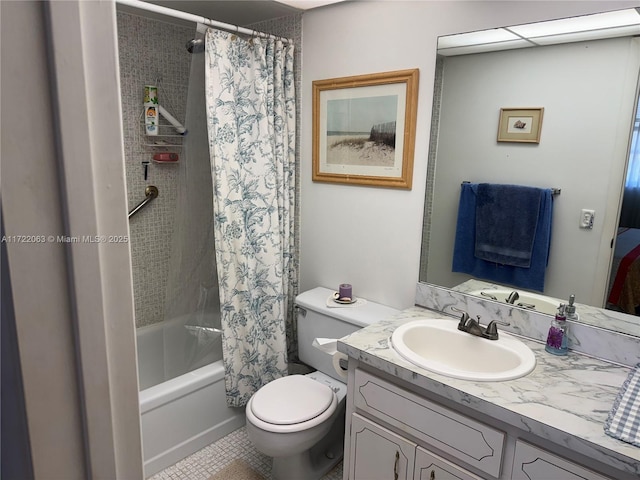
<point x="250" y="101"/>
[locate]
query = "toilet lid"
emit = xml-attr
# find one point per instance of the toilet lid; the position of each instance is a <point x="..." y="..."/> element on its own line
<point x="290" y="400"/>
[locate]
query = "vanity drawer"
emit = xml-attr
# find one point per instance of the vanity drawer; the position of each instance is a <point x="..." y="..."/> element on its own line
<point x="533" y="463"/>
<point x="465" y="439"/>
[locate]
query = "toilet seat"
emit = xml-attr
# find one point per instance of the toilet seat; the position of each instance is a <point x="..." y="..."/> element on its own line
<point x="290" y="400"/>
<point x="291" y="403"/>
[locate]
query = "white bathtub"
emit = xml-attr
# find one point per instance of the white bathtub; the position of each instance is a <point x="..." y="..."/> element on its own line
<point x="184" y="414"/>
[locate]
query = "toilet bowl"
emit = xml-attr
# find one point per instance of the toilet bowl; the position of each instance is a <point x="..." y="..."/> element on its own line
<point x="299" y="419"/>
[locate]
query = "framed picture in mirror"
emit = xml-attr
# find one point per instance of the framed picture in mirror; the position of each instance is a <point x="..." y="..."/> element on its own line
<point x="520" y="125"/>
<point x="364" y="129"/>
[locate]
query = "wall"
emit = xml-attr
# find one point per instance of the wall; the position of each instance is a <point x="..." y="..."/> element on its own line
<point x="376" y="244"/>
<point x="31" y="199"/>
<point x="588" y="91"/>
<point x="76" y="342"/>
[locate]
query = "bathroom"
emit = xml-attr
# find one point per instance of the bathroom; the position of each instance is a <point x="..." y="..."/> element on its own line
<point x="334" y="40"/>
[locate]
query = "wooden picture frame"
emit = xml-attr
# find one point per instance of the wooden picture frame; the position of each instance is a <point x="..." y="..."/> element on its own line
<point x="364" y="129"/>
<point x="520" y="125"/>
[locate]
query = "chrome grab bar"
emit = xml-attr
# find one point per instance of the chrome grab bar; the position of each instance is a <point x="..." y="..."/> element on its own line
<point x="150" y="193"/>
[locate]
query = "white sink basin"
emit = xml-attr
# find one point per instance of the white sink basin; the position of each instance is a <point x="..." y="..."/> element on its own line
<point x="438" y="346"/>
<point x="540" y="303"/>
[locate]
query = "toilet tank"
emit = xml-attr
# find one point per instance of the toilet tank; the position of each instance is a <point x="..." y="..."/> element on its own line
<point x="316" y="319"/>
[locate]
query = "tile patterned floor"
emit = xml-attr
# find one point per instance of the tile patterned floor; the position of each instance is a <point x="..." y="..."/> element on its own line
<point x="213" y="458"/>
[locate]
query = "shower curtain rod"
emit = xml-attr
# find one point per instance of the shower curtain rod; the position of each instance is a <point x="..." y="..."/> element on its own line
<point x="196" y="18"/>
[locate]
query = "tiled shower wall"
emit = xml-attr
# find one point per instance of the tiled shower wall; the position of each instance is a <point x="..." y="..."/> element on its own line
<point x="153" y="52"/>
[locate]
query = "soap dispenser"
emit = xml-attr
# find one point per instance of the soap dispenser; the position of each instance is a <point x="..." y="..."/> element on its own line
<point x="570" y="311"/>
<point x="557" y="337"/>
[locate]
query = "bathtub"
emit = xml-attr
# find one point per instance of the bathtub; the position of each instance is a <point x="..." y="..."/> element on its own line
<point x="182" y="415"/>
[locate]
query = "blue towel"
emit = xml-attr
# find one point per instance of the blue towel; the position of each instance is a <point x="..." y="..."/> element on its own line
<point x="465" y="261"/>
<point x="506" y="223"/>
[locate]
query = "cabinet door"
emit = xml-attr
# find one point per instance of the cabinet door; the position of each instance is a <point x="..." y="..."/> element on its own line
<point x="431" y="424"/>
<point x="378" y="454"/>
<point x="430" y="466"/>
<point x="533" y="463"/>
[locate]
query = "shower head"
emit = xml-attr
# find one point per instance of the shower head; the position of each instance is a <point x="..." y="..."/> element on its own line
<point x="195" y="45"/>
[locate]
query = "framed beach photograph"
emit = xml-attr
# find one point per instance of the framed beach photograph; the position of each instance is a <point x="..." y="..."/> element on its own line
<point x="364" y="129"/>
<point x="520" y="125"/>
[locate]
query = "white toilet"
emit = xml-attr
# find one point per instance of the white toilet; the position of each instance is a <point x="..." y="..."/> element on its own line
<point x="299" y="420"/>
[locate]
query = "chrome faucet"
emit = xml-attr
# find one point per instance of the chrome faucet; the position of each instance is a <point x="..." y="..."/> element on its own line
<point x="528" y="306"/>
<point x="473" y="327"/>
<point x="513" y="296"/>
<point x="488" y="295"/>
<point x="491" y="332"/>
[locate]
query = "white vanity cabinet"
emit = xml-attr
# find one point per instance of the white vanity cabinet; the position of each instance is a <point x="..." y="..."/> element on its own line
<point x="395" y="433"/>
<point x="385" y="455"/>
<point x="430" y="466"/>
<point x="381" y="453"/>
<point x="533" y="463"/>
<point x="373" y="447"/>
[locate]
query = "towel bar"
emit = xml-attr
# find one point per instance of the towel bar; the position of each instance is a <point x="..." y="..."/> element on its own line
<point x="554" y="191"/>
<point x="150" y="193"/>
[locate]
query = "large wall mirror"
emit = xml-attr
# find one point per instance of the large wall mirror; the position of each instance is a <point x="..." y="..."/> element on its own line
<point x="588" y="85"/>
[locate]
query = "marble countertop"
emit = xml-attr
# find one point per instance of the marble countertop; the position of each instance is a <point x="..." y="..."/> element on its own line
<point x="565" y="400"/>
<point x="597" y="317"/>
